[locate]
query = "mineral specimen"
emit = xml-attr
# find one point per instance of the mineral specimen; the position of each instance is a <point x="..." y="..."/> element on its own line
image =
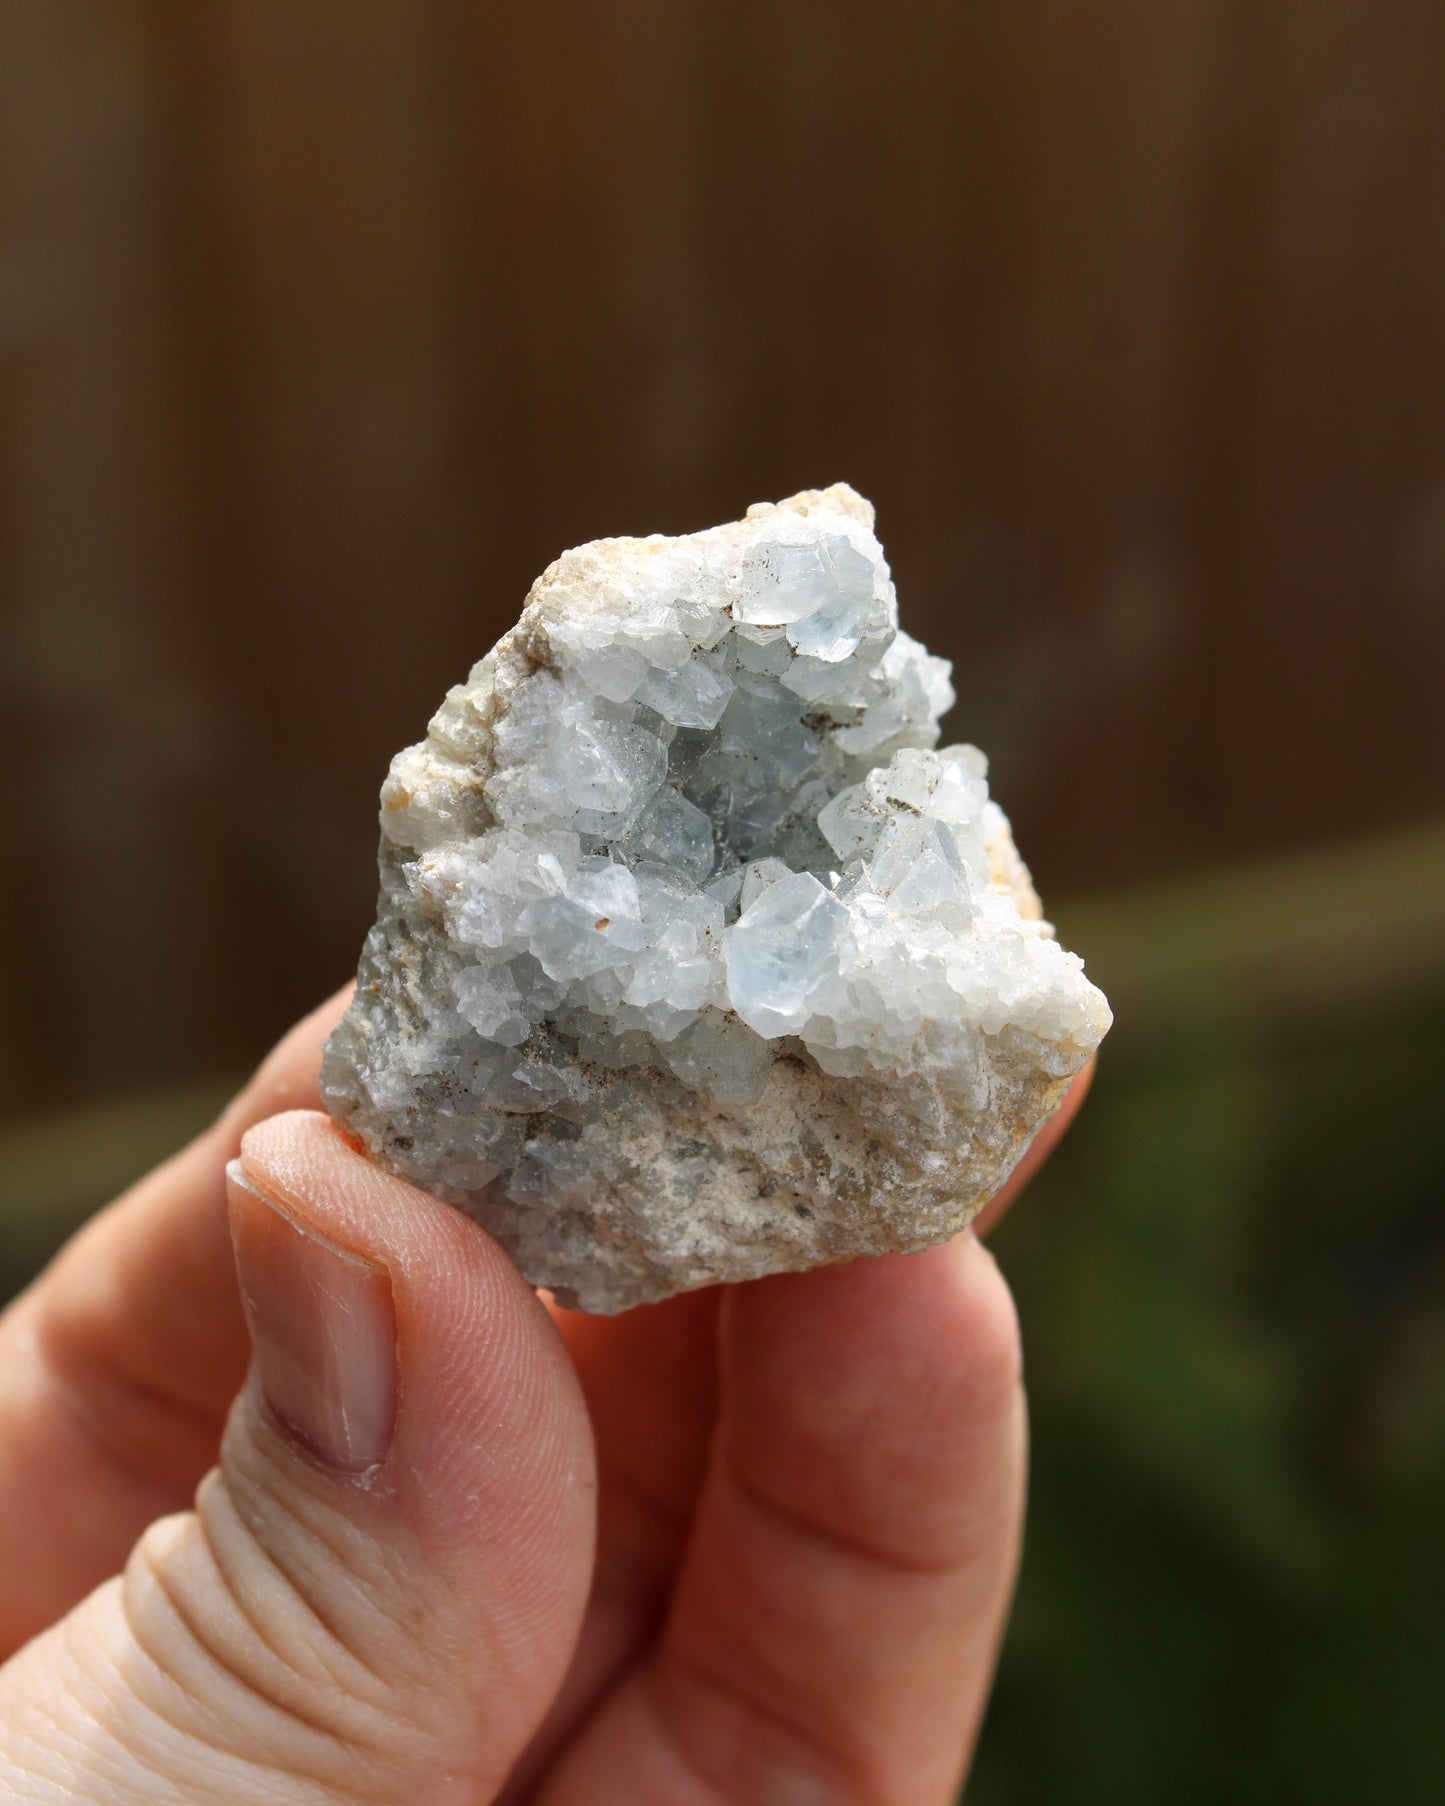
<point x="693" y="962"/>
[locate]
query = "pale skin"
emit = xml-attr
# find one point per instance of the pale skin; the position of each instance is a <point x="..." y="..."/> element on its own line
<point x="755" y="1545"/>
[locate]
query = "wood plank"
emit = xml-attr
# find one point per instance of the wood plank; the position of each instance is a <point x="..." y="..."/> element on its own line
<point x="320" y="338"/>
<point x="104" y="724"/>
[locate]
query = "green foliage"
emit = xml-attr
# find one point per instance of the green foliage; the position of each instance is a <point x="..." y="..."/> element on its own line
<point x="1232" y="1285"/>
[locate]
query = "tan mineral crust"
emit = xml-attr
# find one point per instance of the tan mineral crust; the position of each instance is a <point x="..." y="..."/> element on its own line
<point x="693" y="960"/>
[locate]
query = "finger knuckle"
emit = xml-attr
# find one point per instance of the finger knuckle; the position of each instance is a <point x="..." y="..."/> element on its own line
<point x="227" y="1647"/>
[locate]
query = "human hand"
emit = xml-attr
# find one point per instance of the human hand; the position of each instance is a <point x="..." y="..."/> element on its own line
<point x="752" y="1545"/>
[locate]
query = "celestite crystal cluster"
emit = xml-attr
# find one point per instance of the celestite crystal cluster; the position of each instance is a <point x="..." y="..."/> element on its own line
<point x="693" y="961"/>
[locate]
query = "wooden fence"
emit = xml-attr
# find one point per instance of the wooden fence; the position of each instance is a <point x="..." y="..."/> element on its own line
<point x="322" y="329"/>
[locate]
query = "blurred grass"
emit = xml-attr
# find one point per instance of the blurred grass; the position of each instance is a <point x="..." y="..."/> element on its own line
<point x="1233" y="1290"/>
<point x="56" y="1170"/>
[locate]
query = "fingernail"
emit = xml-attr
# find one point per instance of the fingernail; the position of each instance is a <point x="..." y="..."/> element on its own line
<point x="323" y="1330"/>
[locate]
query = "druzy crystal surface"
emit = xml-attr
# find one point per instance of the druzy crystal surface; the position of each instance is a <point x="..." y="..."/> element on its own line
<point x="693" y="960"/>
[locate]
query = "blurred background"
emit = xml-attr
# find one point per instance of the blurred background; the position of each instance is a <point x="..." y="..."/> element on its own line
<point x="323" y="330"/>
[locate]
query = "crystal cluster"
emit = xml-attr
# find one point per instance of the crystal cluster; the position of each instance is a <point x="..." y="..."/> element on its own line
<point x="693" y="961"/>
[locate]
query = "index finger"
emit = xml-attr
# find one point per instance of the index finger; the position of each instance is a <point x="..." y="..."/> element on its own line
<point x="833" y="1630"/>
<point x="118" y="1364"/>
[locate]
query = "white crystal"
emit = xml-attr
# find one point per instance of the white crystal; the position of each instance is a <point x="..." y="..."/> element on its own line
<point x="835" y="627"/>
<point x="693" y="961"/>
<point x="695" y="696"/>
<point x="785" y="954"/>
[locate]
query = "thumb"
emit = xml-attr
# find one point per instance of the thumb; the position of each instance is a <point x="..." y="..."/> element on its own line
<point x="378" y="1591"/>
